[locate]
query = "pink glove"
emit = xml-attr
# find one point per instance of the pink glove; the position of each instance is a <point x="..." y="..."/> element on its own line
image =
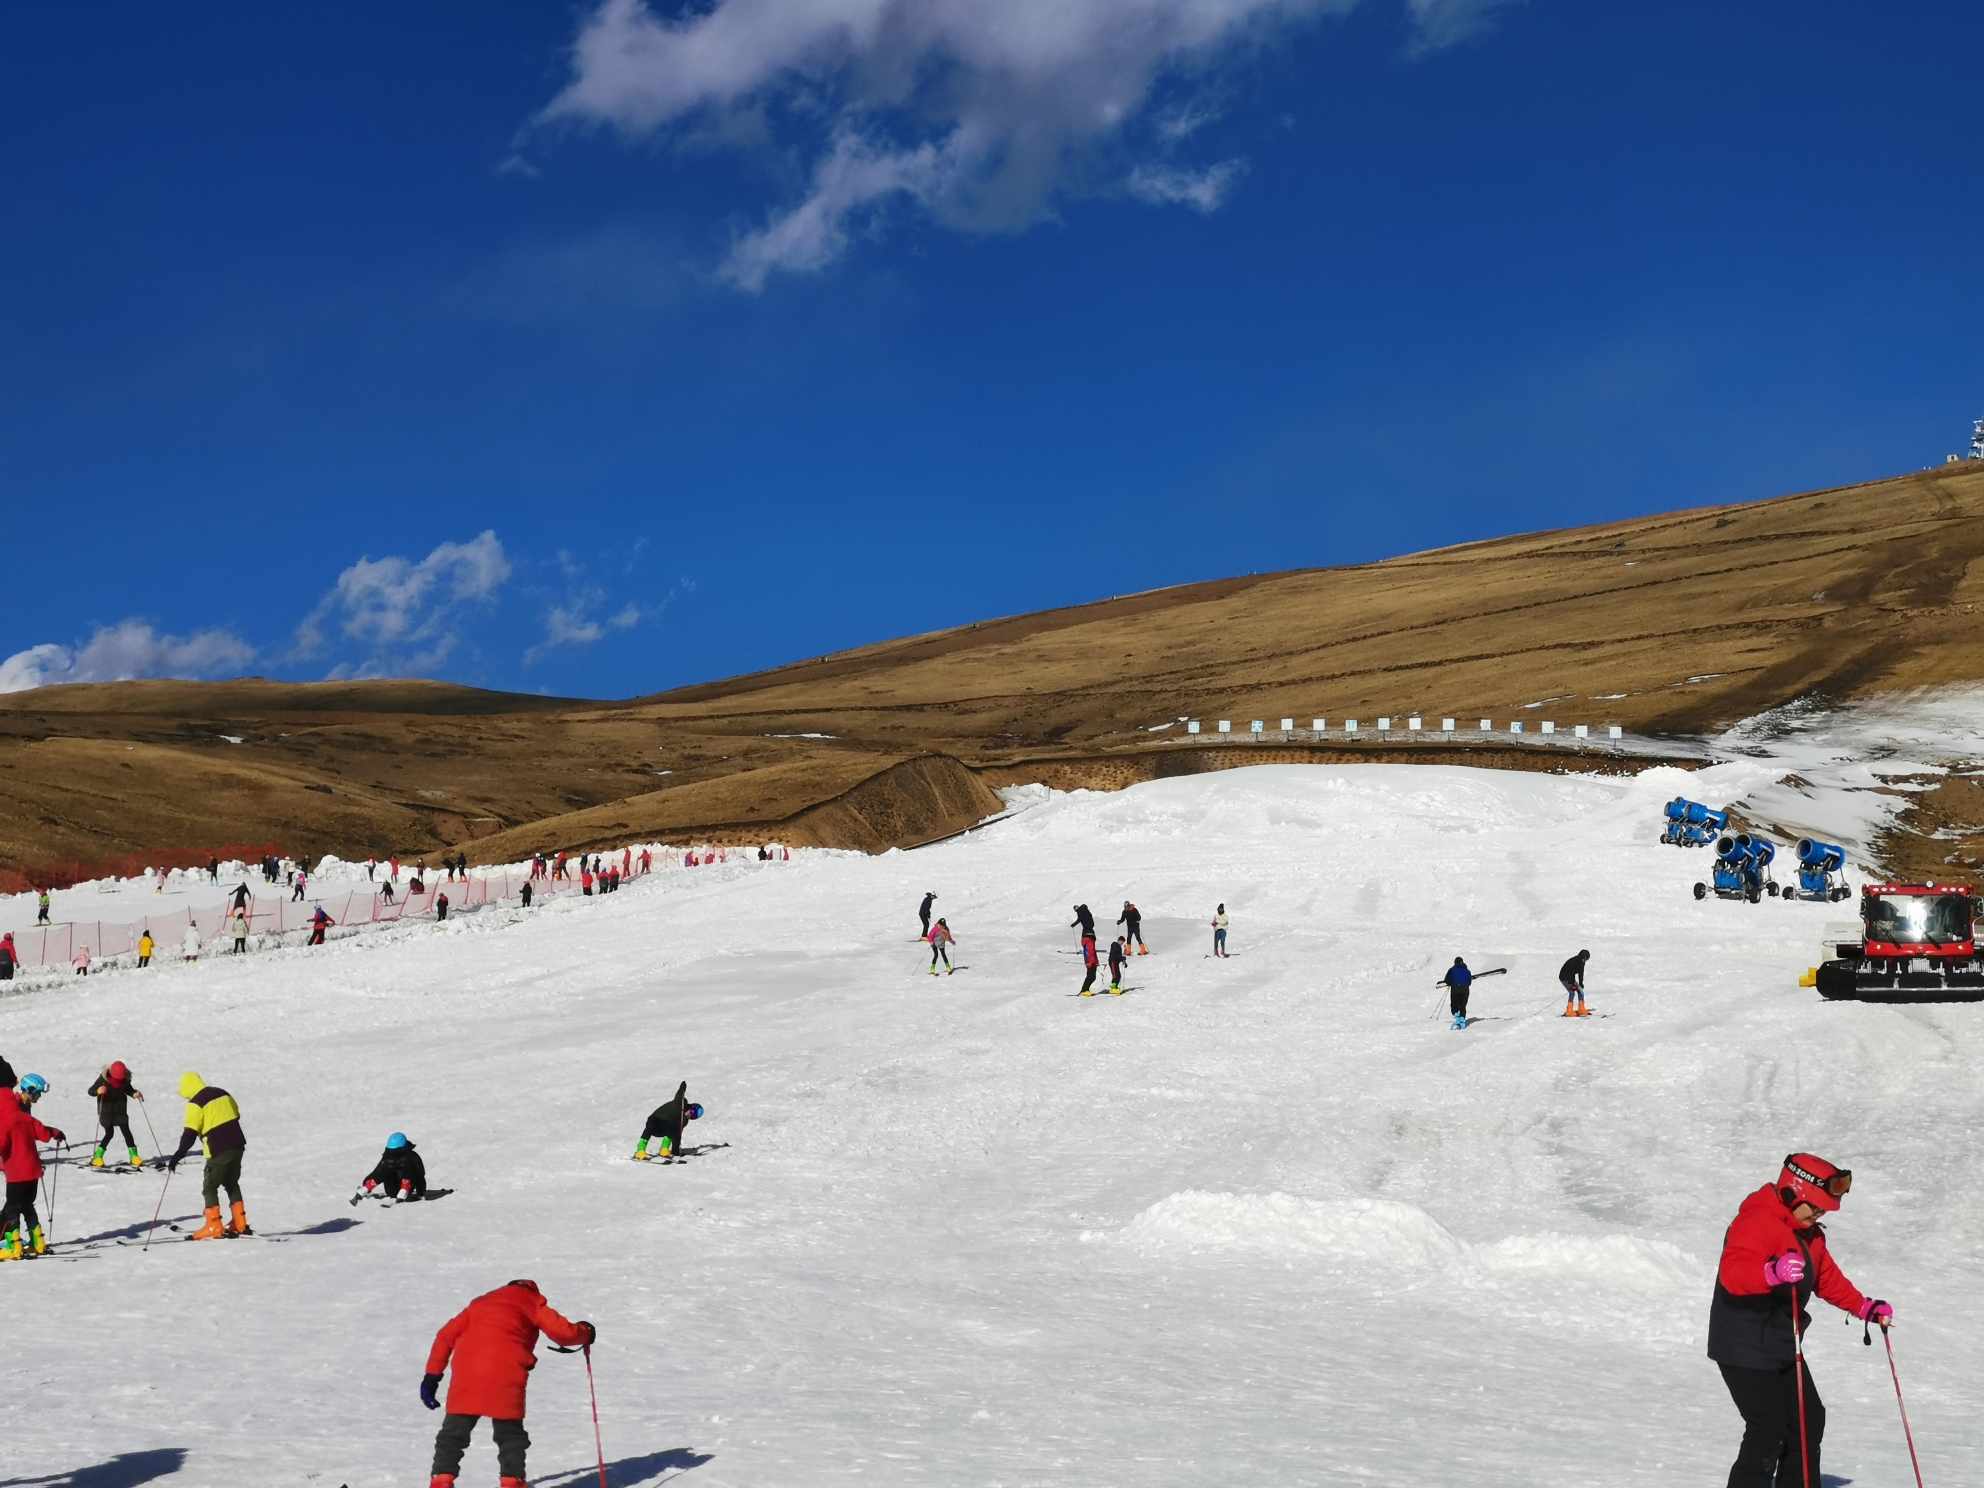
<point x="1874" y="1310"/>
<point x="1785" y="1270"/>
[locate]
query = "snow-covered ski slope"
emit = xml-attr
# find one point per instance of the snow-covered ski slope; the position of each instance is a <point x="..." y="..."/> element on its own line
<point x="1265" y="1220"/>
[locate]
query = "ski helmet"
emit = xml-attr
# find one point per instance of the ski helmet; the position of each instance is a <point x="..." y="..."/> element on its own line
<point x="34" y="1085"/>
<point x="119" y="1072"/>
<point x="396" y="1141"/>
<point x="695" y="1111"/>
<point x="1812" y="1180"/>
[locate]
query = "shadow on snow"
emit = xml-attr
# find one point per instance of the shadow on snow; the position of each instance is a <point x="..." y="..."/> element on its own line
<point x="125" y="1470"/>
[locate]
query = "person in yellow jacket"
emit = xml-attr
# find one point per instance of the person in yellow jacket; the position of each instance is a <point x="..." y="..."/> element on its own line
<point x="145" y="948"/>
<point x="214" y="1121"/>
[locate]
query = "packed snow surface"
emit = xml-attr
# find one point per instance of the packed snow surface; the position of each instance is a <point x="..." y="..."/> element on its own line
<point x="1265" y="1220"/>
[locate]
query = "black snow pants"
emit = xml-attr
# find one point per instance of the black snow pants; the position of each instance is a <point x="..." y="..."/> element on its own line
<point x="112" y="1125"/>
<point x="940" y="948"/>
<point x="20" y="1209"/>
<point x="1089" y="980"/>
<point x="452" y="1440"/>
<point x="1768" y="1399"/>
<point x="1457" y="998"/>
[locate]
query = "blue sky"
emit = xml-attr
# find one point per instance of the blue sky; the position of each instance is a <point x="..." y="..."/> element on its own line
<point x="597" y="349"/>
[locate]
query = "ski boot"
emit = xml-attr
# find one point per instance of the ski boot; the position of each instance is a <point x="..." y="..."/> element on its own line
<point x="40" y="1242"/>
<point x="1143" y="950"/>
<point x="441" y="1480"/>
<point x="1086" y="992"/>
<point x="1583" y="1011"/>
<point x="96" y="1159"/>
<point x="1460" y="1021"/>
<point x="137" y="1162"/>
<point x="511" y="1483"/>
<point x="212" y="1229"/>
<point x="239" y="1226"/>
<point x="10" y="1246"/>
<point x="641" y="1152"/>
<point x="1570" y="1010"/>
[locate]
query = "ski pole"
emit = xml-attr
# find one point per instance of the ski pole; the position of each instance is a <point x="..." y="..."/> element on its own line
<point x="159" y="1210"/>
<point x="598" y="1445"/>
<point x="1905" y="1431"/>
<point x="157" y="1151"/>
<point x="1798" y="1345"/>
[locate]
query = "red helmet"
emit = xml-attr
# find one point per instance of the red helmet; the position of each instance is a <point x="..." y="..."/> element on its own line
<point x="1812" y="1180"/>
<point x="118" y="1073"/>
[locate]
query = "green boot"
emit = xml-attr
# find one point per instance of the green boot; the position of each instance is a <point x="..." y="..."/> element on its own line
<point x="136" y="1161"/>
<point x="40" y="1245"/>
<point x="641" y="1152"/>
<point x="10" y="1246"/>
<point x="97" y="1161"/>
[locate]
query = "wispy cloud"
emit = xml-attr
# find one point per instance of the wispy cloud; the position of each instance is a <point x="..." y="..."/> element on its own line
<point x="118" y="653"/>
<point x="571" y="624"/>
<point x="406" y="615"/>
<point x="979" y="113"/>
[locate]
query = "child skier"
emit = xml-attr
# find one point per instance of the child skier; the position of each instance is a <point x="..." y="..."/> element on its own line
<point x="940" y="937"/>
<point x="20" y="1226"/>
<point x="114" y="1091"/>
<point x="214" y="1121"/>
<point x="1119" y="952"/>
<point x="1457" y="981"/>
<point x="1132" y="921"/>
<point x="665" y="1123"/>
<point x="1571" y="974"/>
<point x="492" y="1347"/>
<point x="1774" y="1256"/>
<point x="1089" y="961"/>
<point x="400" y="1176"/>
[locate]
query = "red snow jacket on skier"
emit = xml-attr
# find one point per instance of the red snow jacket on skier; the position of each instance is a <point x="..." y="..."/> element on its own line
<point x="1749" y="1322"/>
<point x="19" y="1131"/>
<point x="493" y="1342"/>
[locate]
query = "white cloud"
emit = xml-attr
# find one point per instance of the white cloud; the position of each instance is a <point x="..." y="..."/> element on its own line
<point x="118" y="653"/>
<point x="407" y="614"/>
<point x="978" y="112"/>
<point x="570" y="624"/>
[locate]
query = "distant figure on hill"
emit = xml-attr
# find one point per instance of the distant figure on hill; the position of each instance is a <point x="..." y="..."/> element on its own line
<point x="213" y="870"/>
<point x="301" y="880"/>
<point x="41" y="908"/>
<point x="241" y="895"/>
<point x="240" y="934"/>
<point x="146" y="945"/>
<point x="82" y="960"/>
<point x="9" y="958"/>
<point x="1132" y="921"/>
<point x="189" y="944"/>
<point x="319" y="923"/>
<point x="923" y="912"/>
<point x="664" y="1125"/>
<point x="386" y="892"/>
<point x="940" y="937"/>
<point x="525" y="893"/>
<point x="1457" y="982"/>
<point x="440" y="908"/>
<point x="1219" y="931"/>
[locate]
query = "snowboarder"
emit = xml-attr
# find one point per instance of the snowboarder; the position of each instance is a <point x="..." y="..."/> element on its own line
<point x="1132" y="921"/>
<point x="1119" y="952"/>
<point x="189" y="946"/>
<point x="9" y="957"/>
<point x="1571" y="974"/>
<point x="240" y="928"/>
<point x="113" y="1091"/>
<point x="940" y="937"/>
<point x="400" y="1175"/>
<point x="1774" y="1256"/>
<point x="146" y="945"/>
<point x="214" y="1121"/>
<point x="492" y="1345"/>
<point x="20" y="1161"/>
<point x="665" y="1123"/>
<point x="1457" y="981"/>
<point x="923" y="912"/>
<point x="1089" y="961"/>
<point x="1084" y="919"/>
<point x="1219" y="931"/>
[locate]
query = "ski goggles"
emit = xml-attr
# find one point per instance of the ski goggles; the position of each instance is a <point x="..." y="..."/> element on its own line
<point x="1838" y="1185"/>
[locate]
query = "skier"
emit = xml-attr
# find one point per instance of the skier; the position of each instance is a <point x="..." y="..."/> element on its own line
<point x="214" y="1121"/>
<point x="440" y="908"/>
<point x="1089" y="961"/>
<point x="492" y="1344"/>
<point x="1219" y="931"/>
<point x="386" y="891"/>
<point x="9" y="957"/>
<point x="41" y="909"/>
<point x="146" y="945"/>
<point x="1774" y="1256"/>
<point x="665" y="1123"/>
<point x="320" y="922"/>
<point x="1457" y="981"/>
<point x="923" y="912"/>
<point x="525" y="894"/>
<point x="1084" y="919"/>
<point x="301" y="879"/>
<point x="585" y="882"/>
<point x="241" y="895"/>
<point x="400" y="1175"/>
<point x="1119" y="952"/>
<point x="113" y="1091"/>
<point x="1571" y="974"/>
<point x="189" y="947"/>
<point x="240" y="928"/>
<point x="939" y="938"/>
<point x="20" y="1225"/>
<point x="1132" y="921"/>
<point x="82" y="960"/>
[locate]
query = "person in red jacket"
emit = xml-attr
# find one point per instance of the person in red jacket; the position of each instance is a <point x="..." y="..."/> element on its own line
<point x="20" y="1226"/>
<point x="1774" y="1257"/>
<point x="492" y="1343"/>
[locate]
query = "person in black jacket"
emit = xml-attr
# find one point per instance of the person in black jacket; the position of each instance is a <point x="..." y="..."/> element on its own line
<point x="923" y="912"/>
<point x="1571" y="974"/>
<point x="400" y="1176"/>
<point x="114" y="1090"/>
<point x="665" y="1123"/>
<point x="1458" y="981"/>
<point x="1085" y="920"/>
<point x="1132" y="921"/>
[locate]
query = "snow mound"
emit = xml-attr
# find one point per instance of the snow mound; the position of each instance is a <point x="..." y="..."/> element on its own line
<point x="1651" y="1266"/>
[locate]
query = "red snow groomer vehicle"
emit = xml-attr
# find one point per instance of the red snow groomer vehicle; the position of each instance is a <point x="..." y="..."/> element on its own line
<point x="1918" y="946"/>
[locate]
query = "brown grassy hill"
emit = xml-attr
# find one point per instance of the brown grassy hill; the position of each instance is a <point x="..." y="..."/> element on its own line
<point x="1669" y="624"/>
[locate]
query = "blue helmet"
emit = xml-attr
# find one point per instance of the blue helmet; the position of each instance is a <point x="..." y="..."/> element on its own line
<point x="396" y="1141"/>
<point x="695" y="1112"/>
<point x="33" y="1085"/>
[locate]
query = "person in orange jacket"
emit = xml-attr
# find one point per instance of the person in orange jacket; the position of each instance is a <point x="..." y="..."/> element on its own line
<point x="492" y="1347"/>
<point x="1774" y="1257"/>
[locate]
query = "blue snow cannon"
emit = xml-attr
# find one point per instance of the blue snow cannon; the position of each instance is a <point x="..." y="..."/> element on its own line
<point x="1742" y="869"/>
<point x="1691" y="824"/>
<point x="1821" y="870"/>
